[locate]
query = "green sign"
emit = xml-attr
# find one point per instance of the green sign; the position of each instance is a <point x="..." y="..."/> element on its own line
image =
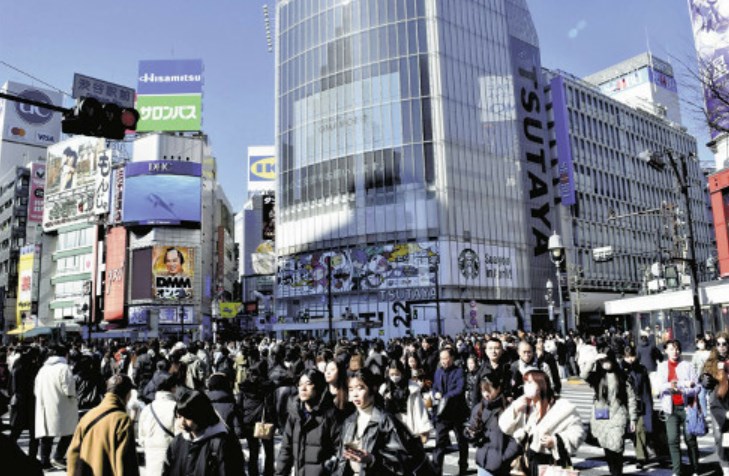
<point x="169" y="112"/>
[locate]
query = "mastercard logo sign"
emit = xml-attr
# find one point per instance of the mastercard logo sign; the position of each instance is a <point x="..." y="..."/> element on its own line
<point x="17" y="131"/>
<point x="263" y="168"/>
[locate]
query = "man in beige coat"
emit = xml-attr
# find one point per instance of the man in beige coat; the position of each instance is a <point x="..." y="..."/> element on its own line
<point x="103" y="443"/>
<point x="56" y="407"/>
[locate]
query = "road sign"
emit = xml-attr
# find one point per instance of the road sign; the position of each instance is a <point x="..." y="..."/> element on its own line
<point x="600" y="255"/>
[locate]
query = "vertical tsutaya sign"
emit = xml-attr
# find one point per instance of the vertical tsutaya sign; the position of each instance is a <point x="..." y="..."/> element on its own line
<point x="28" y="124"/>
<point x="170" y="95"/>
<point x="173" y="268"/>
<point x="25" y="283"/>
<point x="268" y="210"/>
<point x="564" y="148"/>
<point x="710" y="21"/>
<point x="37" y="192"/>
<point x="116" y="253"/>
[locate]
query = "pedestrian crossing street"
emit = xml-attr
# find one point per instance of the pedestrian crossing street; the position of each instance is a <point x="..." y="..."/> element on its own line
<point x="590" y="460"/>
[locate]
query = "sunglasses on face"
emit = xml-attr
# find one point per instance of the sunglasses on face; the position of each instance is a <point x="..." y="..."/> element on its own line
<point x="721" y="343"/>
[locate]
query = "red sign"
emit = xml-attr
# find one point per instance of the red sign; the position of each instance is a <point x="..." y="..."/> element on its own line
<point x="116" y="251"/>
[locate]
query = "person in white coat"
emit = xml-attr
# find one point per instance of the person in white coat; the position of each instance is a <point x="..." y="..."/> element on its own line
<point x="56" y="407"/>
<point x="157" y="426"/>
<point x="549" y="428"/>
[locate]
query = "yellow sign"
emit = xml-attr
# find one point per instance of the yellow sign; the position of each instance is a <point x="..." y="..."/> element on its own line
<point x="25" y="285"/>
<point x="229" y="310"/>
<point x="263" y="169"/>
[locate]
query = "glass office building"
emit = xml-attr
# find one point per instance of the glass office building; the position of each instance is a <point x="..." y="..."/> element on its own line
<point x="413" y="163"/>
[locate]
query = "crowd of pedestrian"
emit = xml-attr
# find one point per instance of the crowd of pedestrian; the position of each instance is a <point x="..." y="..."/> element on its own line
<point x="357" y="406"/>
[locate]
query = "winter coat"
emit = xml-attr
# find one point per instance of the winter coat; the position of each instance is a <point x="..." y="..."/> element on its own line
<point x="107" y="448"/>
<point x="14" y="459"/>
<point x="229" y="411"/>
<point x="216" y="452"/>
<point x="496" y="450"/>
<point x="196" y="371"/>
<point x="561" y="419"/>
<point x="451" y="384"/>
<point x="641" y="384"/>
<point x="472" y="386"/>
<point x="501" y="372"/>
<point x="415" y="417"/>
<point x="548" y="360"/>
<point x="610" y="432"/>
<point x="90" y="387"/>
<point x="152" y="437"/>
<point x="56" y="409"/>
<point x="254" y="398"/>
<point x="395" y="450"/>
<point x="648" y="355"/>
<point x="377" y="364"/>
<point x="310" y="441"/>
<point x="22" y="396"/>
<point x="144" y="369"/>
<point x="687" y="384"/>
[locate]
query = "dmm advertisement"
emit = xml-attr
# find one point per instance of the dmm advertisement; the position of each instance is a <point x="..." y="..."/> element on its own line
<point x="173" y="269"/>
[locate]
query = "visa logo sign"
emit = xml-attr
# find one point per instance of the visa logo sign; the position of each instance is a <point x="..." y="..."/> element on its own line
<point x="263" y="168"/>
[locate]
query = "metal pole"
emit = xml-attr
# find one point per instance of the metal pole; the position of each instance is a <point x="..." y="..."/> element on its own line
<point x="561" y="304"/>
<point x="692" y="246"/>
<point x="329" y="299"/>
<point x="437" y="296"/>
<point x="182" y="324"/>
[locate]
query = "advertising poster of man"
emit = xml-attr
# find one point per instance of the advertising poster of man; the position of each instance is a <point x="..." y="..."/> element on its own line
<point x="173" y="269"/>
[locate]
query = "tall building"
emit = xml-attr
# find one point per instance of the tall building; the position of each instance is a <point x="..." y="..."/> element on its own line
<point x="413" y="167"/>
<point x="613" y="198"/>
<point x="644" y="82"/>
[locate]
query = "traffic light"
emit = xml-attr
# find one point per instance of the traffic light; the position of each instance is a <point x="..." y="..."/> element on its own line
<point x="93" y="118"/>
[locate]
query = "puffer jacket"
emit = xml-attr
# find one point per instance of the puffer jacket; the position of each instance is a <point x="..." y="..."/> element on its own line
<point x="310" y="440"/>
<point x="229" y="411"/>
<point x="216" y="452"/>
<point x="496" y="450"/>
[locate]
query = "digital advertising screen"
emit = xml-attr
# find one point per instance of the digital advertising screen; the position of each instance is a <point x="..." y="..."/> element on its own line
<point x="162" y="193"/>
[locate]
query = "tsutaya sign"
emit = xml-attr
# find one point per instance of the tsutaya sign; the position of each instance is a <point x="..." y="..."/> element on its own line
<point x="408" y="294"/>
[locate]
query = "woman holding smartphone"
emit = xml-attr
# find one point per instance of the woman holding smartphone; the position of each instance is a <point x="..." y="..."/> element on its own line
<point x="374" y="441"/>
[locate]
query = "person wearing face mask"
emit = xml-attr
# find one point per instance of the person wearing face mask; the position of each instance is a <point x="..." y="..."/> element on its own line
<point x="403" y="399"/>
<point x="547" y="427"/>
<point x="496" y="450"/>
<point x="640" y="383"/>
<point x="311" y="435"/>
<point x="701" y="354"/>
<point x="714" y="379"/>
<point x="614" y="407"/>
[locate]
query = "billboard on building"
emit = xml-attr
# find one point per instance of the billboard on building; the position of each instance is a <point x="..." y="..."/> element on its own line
<point x="565" y="168"/>
<point x="102" y="185"/>
<point x="710" y="22"/>
<point x="163" y="192"/>
<point x="170" y="95"/>
<point x="116" y="253"/>
<point x="383" y="267"/>
<point x="37" y="192"/>
<point x="70" y="181"/>
<point x="261" y="168"/>
<point x="25" y="283"/>
<point x="28" y="124"/>
<point x="142" y="282"/>
<point x="173" y="269"/>
<point x="177" y="315"/>
<point x="229" y="310"/>
<point x="268" y="210"/>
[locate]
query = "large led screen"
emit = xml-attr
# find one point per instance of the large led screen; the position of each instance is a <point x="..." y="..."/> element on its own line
<point x="162" y="193"/>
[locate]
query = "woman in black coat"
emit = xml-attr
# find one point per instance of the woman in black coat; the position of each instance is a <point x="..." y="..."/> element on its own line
<point x="90" y="388"/>
<point x="221" y="396"/>
<point x="638" y="379"/>
<point x="496" y="450"/>
<point x="22" y="398"/>
<point x="255" y="398"/>
<point x="311" y="434"/>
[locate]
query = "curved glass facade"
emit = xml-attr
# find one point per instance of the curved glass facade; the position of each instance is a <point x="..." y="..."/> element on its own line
<point x="403" y="121"/>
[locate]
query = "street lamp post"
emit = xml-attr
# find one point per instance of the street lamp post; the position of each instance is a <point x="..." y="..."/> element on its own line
<point x="654" y="161"/>
<point x="182" y="323"/>
<point x="434" y="268"/>
<point x="557" y="255"/>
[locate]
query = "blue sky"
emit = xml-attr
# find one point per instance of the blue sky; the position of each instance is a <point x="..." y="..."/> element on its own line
<point x="52" y="40"/>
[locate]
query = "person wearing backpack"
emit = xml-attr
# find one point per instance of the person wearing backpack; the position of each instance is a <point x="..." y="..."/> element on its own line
<point x="206" y="446"/>
<point x="103" y="443"/>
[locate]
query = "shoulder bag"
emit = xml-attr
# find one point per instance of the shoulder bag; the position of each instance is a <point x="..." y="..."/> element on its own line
<point x="159" y="422"/>
<point x="263" y="430"/>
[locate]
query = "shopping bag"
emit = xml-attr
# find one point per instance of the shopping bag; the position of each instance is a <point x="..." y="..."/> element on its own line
<point x="263" y="430"/>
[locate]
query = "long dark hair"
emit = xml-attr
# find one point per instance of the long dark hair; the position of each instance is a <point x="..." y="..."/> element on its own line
<point x="598" y="379"/>
<point x="500" y="403"/>
<point x="341" y="397"/>
<point x="396" y="394"/>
